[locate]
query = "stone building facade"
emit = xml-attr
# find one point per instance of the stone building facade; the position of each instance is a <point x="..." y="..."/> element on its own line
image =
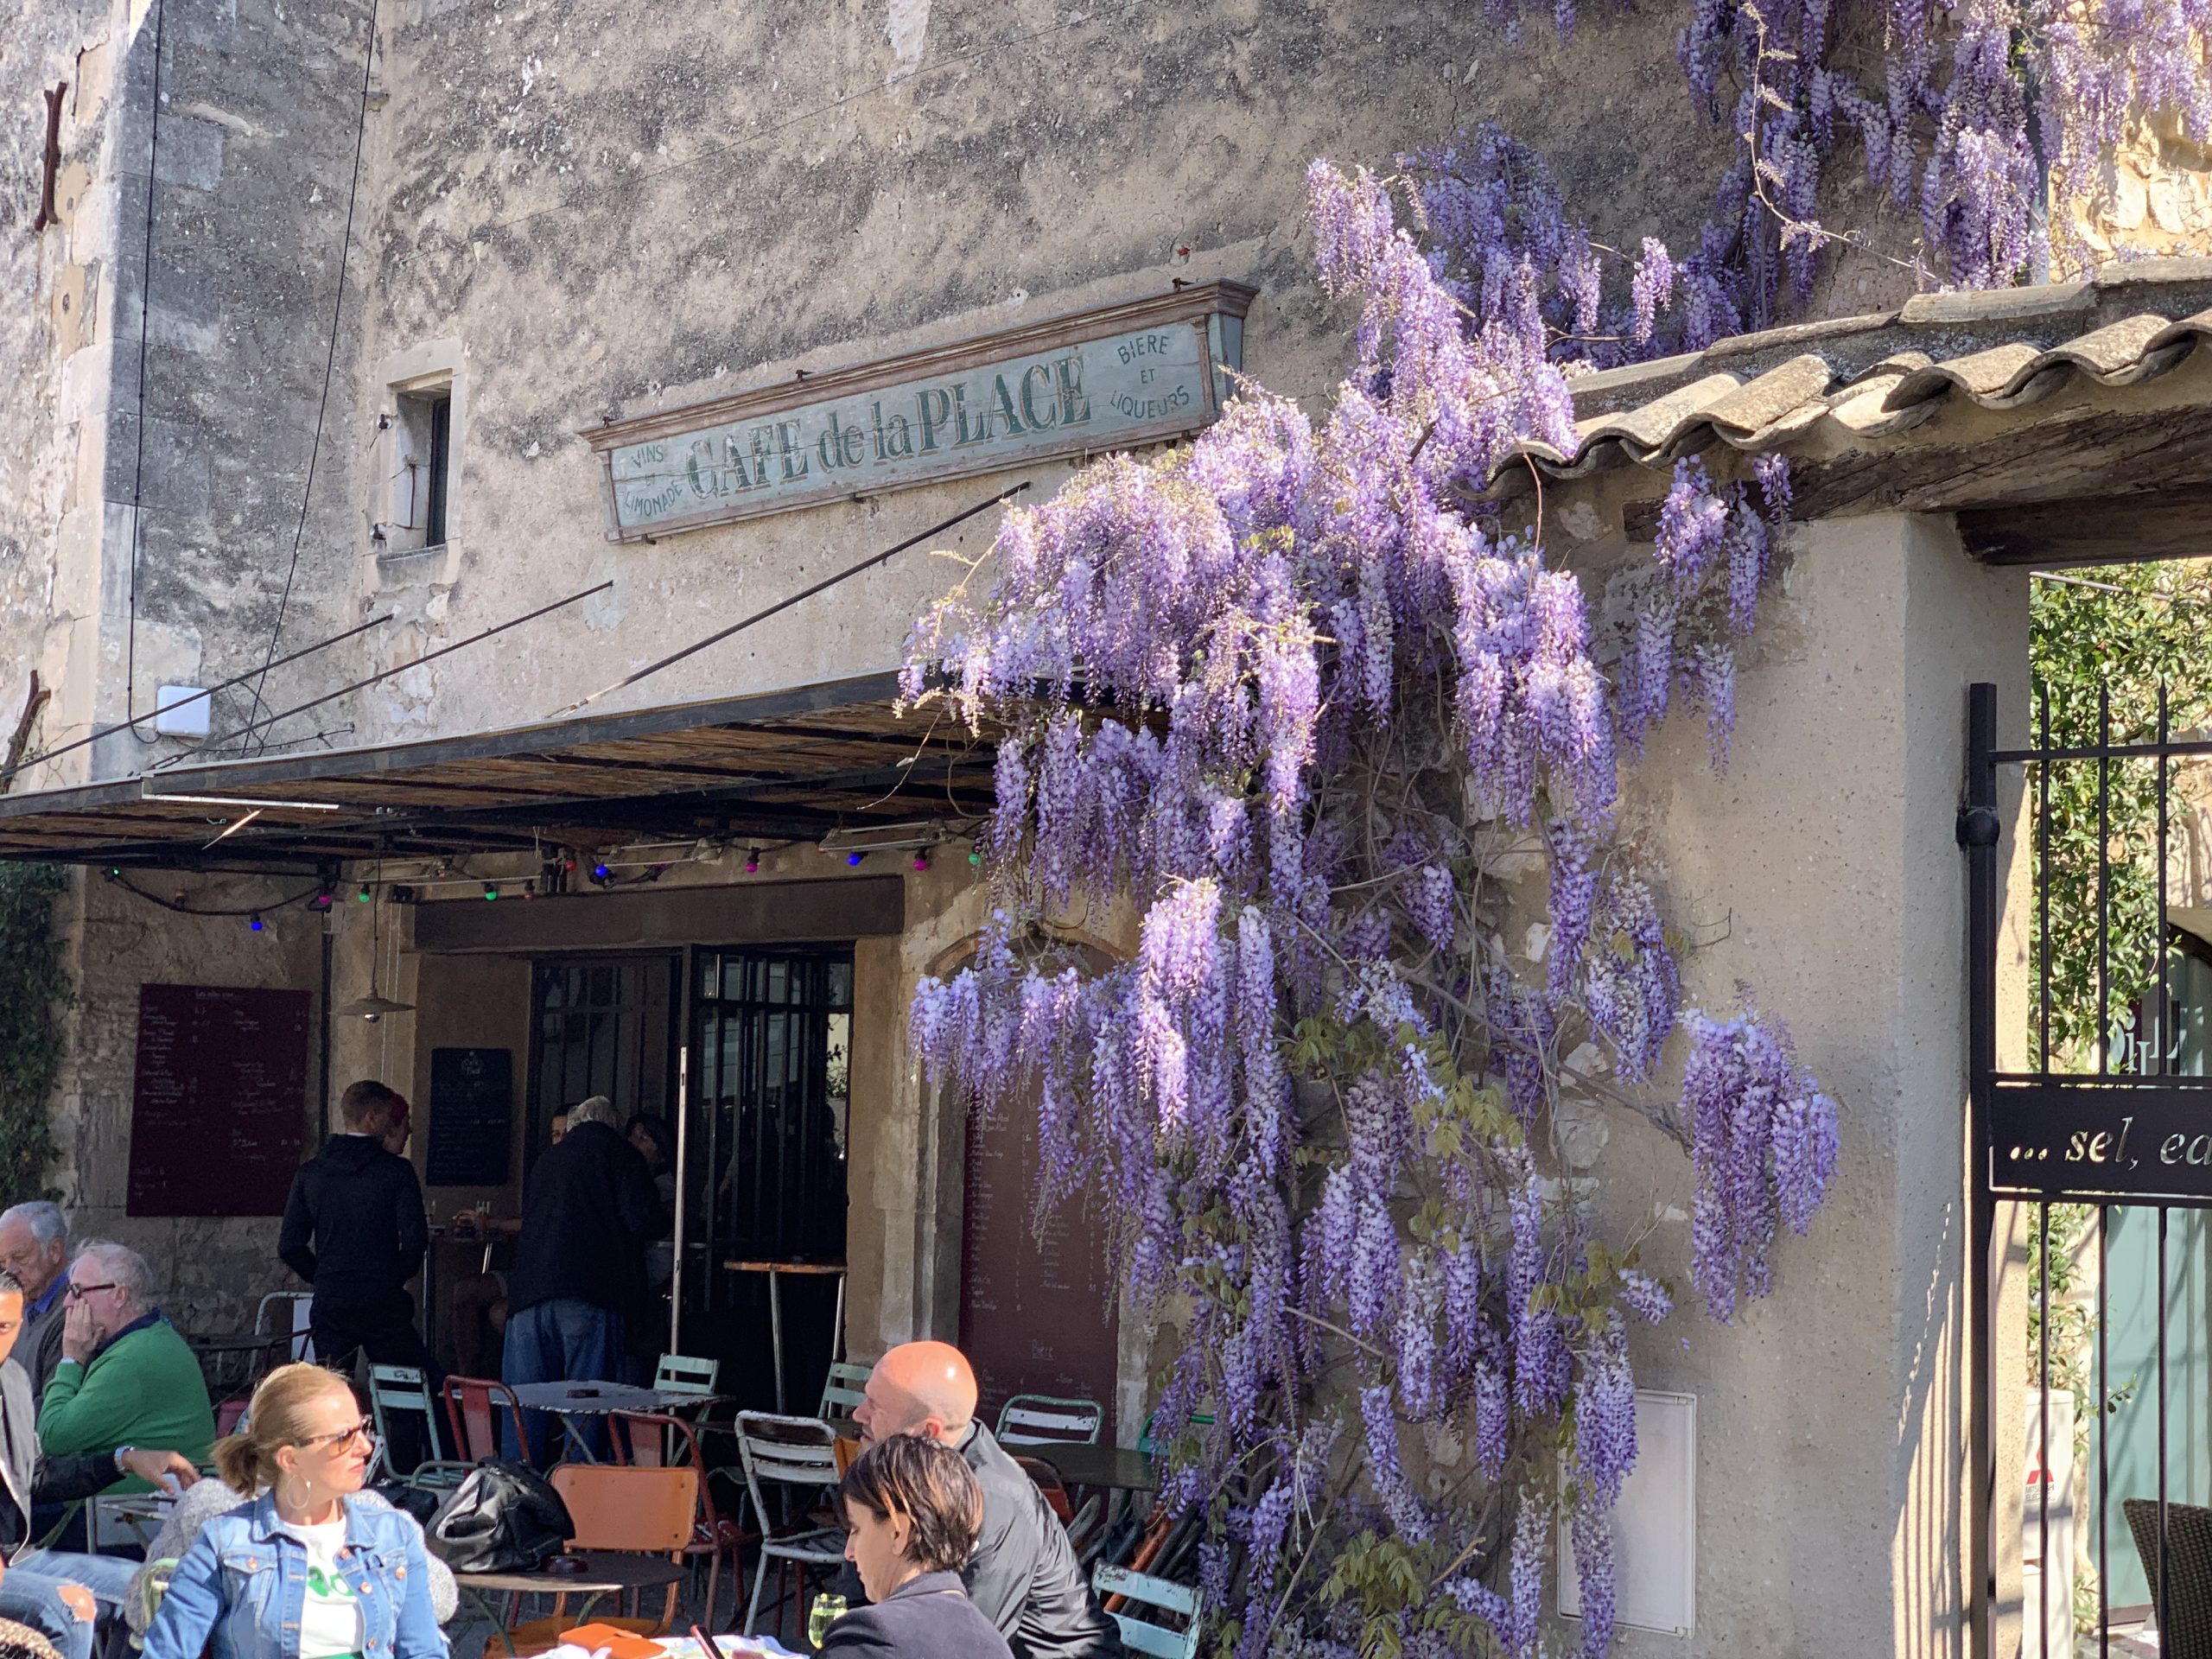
<point x="343" y="306"/>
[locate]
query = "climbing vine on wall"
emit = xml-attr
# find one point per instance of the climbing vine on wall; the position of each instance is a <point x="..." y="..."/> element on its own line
<point x="1290" y="694"/>
<point x="34" y="987"/>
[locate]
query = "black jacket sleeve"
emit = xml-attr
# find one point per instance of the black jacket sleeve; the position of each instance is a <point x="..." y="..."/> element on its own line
<point x="639" y="1203"/>
<point x="295" y="1240"/>
<point x="414" y="1228"/>
<point x="61" y="1480"/>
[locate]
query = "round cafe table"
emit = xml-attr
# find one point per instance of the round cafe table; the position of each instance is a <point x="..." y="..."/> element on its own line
<point x="604" y="1574"/>
<point x="568" y="1400"/>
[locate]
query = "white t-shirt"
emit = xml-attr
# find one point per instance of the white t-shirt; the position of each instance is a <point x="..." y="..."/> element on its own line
<point x="330" y="1618"/>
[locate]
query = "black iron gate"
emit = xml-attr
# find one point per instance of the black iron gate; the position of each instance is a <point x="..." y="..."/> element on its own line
<point x="2090" y="1129"/>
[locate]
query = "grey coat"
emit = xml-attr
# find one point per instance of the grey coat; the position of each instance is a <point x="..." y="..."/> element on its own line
<point x="26" y="1474"/>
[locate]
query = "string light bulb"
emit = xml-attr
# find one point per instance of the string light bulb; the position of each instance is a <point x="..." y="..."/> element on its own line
<point x="854" y="859"/>
<point x="254" y="922"/>
<point x="753" y="861"/>
<point x="921" y="860"/>
<point x="491" y="890"/>
<point x="368" y="894"/>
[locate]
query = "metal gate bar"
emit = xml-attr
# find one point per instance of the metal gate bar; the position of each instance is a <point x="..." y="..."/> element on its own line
<point x="2116" y="1135"/>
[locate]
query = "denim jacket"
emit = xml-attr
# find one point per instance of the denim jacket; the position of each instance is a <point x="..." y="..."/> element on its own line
<point x="239" y="1591"/>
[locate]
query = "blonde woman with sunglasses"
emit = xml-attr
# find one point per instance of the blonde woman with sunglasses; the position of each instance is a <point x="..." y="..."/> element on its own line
<point x="312" y="1567"/>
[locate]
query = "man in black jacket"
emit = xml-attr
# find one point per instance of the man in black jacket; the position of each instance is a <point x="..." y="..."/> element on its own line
<point x="354" y="1229"/>
<point x="59" y="1594"/>
<point x="1024" y="1576"/>
<point x="589" y="1212"/>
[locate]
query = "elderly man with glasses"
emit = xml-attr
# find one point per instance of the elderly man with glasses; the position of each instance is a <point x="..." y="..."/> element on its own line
<point x="57" y="1593"/>
<point x="127" y="1377"/>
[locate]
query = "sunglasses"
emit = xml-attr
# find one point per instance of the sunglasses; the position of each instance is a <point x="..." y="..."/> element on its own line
<point x="365" y="1430"/>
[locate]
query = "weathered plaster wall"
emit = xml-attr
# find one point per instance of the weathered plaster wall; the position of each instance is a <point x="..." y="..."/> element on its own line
<point x="605" y="208"/>
<point x="211" y="1272"/>
<point x="1820" y="869"/>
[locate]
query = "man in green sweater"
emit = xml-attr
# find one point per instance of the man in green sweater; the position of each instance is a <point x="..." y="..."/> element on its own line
<point x="126" y="1378"/>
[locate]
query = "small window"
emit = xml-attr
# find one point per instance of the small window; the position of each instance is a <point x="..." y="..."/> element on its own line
<point x="434" y="527"/>
<point x="418" y="513"/>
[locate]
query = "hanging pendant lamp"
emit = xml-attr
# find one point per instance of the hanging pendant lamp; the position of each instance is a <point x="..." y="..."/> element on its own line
<point x="374" y="1006"/>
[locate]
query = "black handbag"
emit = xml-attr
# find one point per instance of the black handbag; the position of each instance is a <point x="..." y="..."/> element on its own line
<point x="504" y="1518"/>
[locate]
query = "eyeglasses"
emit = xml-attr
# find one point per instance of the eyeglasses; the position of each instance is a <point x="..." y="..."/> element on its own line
<point x="77" y="1293"/>
<point x="365" y="1430"/>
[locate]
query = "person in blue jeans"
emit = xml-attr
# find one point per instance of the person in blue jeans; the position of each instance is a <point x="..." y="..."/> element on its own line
<point x="314" y="1568"/>
<point x="61" y="1594"/>
<point x="590" y="1211"/>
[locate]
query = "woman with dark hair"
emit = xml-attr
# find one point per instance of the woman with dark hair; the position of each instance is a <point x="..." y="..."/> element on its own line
<point x="912" y="1509"/>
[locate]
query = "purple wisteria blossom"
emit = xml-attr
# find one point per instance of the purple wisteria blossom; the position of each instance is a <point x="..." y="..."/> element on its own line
<point x="1271" y="708"/>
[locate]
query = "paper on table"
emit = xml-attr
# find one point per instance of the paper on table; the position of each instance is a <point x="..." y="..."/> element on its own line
<point x="733" y="1647"/>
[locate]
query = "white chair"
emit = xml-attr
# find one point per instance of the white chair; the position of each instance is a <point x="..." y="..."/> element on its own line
<point x="1041" y="1420"/>
<point x="290" y="1309"/>
<point x="799" y="1454"/>
<point x="1156" y="1641"/>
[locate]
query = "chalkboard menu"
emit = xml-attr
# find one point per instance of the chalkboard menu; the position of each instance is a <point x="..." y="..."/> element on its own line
<point x="219" y="1100"/>
<point x="472" y="1115"/>
<point x="1037" y="1316"/>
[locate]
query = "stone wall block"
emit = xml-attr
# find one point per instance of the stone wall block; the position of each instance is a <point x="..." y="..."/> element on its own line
<point x="175" y="477"/>
<point x="191" y="153"/>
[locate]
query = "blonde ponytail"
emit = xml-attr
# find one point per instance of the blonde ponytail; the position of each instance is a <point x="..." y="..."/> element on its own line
<point x="246" y="1461"/>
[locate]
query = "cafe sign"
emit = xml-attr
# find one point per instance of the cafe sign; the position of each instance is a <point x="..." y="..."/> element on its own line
<point x="2112" y="1139"/>
<point x="1143" y="372"/>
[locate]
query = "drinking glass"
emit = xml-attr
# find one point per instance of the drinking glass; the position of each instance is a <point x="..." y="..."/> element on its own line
<point x="827" y="1610"/>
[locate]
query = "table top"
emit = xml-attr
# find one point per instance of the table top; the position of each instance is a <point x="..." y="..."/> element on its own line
<point x="1115" y="1467"/>
<point x="606" y="1575"/>
<point x="239" y="1342"/>
<point x="785" y="1266"/>
<point x="605" y="1398"/>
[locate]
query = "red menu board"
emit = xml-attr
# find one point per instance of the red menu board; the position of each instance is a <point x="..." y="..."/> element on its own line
<point x="220" y="1101"/>
<point x="1037" y="1315"/>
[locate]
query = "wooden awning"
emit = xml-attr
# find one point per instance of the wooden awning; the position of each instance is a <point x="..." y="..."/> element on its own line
<point x="778" y="765"/>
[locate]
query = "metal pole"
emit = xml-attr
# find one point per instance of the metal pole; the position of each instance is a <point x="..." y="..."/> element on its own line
<point x="1975" y="835"/>
<point x="682" y="1169"/>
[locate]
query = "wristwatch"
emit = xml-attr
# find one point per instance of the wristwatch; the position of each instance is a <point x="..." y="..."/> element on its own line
<point x="121" y="1453"/>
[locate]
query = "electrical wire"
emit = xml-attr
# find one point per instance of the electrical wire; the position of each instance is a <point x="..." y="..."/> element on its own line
<point x="145" y="320"/>
<point x="790" y="599"/>
<point x="131" y="724"/>
<point x="329" y="368"/>
<point x="116" y="878"/>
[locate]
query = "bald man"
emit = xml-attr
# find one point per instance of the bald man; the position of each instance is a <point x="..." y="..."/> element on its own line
<point x="1023" y="1576"/>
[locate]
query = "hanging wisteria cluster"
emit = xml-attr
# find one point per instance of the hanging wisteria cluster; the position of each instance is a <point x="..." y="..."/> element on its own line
<point x="1972" y="115"/>
<point x="1283" y="694"/>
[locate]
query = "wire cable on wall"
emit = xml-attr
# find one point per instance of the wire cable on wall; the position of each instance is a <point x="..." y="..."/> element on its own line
<point x="145" y="317"/>
<point x="329" y="368"/>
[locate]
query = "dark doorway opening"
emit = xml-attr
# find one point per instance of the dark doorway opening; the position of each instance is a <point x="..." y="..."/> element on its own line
<point x="765" y="1162"/>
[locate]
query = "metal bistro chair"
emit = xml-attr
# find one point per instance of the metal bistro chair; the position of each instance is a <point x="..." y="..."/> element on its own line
<point x="621" y="1511"/>
<point x="646" y="1440"/>
<point x="2185" y="1620"/>
<point x="394" y="1388"/>
<point x="292" y="1305"/>
<point x="1041" y="1420"/>
<point x="1118" y="1586"/>
<point x="798" y="1453"/>
<point x="844" y="1389"/>
<point x="473" y="1405"/>
<point x="681" y="1374"/>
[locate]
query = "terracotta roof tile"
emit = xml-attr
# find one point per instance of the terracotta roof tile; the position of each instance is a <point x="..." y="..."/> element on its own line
<point x="1872" y="376"/>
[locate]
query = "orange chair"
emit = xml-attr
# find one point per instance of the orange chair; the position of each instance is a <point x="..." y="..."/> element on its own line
<point x="620" y="1509"/>
<point x="471" y="1407"/>
<point x="647" y="1440"/>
